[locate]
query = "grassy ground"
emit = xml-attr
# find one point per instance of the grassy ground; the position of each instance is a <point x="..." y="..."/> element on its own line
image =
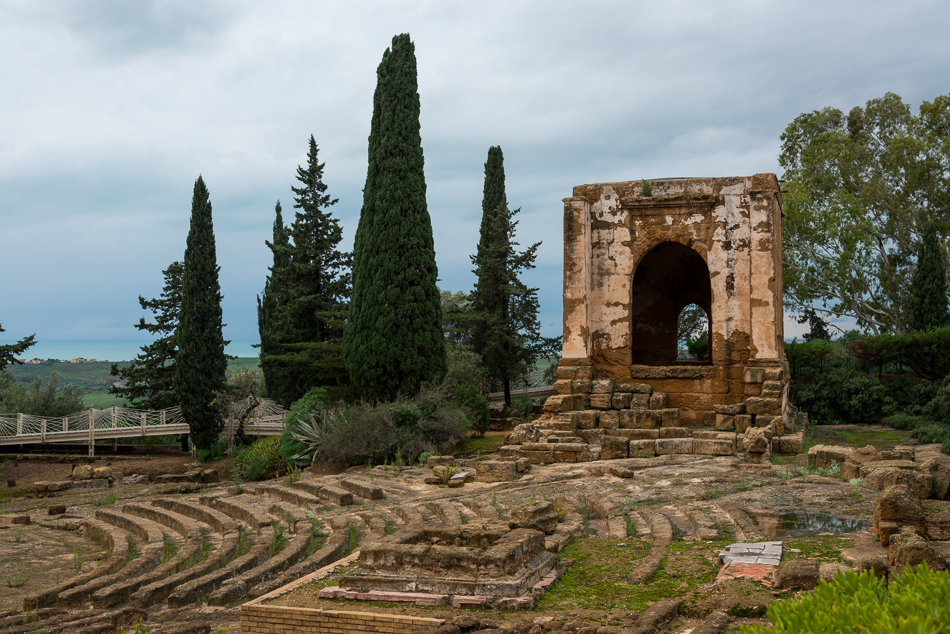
<point x="878" y="436"/>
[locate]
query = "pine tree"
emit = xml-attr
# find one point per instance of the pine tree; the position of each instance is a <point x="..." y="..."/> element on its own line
<point x="201" y="363"/>
<point x="393" y="340"/>
<point x="507" y="334"/>
<point x="270" y="301"/>
<point x="928" y="300"/>
<point x="149" y="379"/>
<point x="308" y="323"/>
<point x="10" y="351"/>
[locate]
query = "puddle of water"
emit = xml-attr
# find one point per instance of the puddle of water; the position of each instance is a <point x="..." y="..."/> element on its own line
<point x="794" y="523"/>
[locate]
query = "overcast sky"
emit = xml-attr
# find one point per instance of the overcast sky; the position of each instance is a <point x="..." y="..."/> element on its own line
<point x="109" y="110"/>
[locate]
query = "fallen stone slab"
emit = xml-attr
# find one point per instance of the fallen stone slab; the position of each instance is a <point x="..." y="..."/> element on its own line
<point x="15" y="520"/>
<point x="768" y="553"/>
<point x="362" y="489"/>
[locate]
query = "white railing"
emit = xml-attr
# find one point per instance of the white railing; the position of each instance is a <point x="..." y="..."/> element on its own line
<point x="267" y="418"/>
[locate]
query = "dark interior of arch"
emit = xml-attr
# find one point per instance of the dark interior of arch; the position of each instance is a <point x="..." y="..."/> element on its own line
<point x="669" y="278"/>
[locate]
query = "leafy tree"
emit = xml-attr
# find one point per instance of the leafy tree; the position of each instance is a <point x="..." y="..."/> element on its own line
<point x="692" y="330"/>
<point x="507" y="332"/>
<point x="273" y="297"/>
<point x="10" y="351"/>
<point x="308" y="324"/>
<point x="149" y="379"/>
<point x="38" y="400"/>
<point x="201" y="363"/>
<point x="860" y="188"/>
<point x="458" y="317"/>
<point x="928" y="298"/>
<point x="393" y="342"/>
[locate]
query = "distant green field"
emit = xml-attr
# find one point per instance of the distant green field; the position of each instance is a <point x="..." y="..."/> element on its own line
<point x="94" y="378"/>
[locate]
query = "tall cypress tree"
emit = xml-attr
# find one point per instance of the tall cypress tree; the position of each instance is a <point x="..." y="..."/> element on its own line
<point x="393" y="340"/>
<point x="201" y="363"/>
<point x="316" y="279"/>
<point x="928" y="300"/>
<point x="271" y="300"/>
<point x="149" y="379"/>
<point x="507" y="331"/>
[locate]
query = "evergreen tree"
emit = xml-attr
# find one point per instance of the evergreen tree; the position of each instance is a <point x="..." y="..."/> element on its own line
<point x="928" y="299"/>
<point x="149" y="379"/>
<point x="393" y="340"/>
<point x="507" y="334"/>
<point x="308" y="322"/>
<point x="201" y="363"/>
<point x="10" y="351"/>
<point x="269" y="302"/>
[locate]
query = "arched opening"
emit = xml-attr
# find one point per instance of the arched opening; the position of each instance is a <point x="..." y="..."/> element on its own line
<point x="668" y="279"/>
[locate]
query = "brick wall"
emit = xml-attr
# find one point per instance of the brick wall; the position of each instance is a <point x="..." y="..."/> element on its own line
<point x="274" y="619"/>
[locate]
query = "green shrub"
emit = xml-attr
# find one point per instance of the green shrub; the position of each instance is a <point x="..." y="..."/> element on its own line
<point x="905" y="421"/>
<point x="215" y="452"/>
<point x="261" y="460"/>
<point x="476" y="407"/>
<point x="861" y="604"/>
<point x="403" y="430"/>
<point x="931" y="432"/>
<point x="521" y="405"/>
<point x="310" y="404"/>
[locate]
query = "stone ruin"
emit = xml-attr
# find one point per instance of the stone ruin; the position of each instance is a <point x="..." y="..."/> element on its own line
<point x="507" y="565"/>
<point x="635" y="255"/>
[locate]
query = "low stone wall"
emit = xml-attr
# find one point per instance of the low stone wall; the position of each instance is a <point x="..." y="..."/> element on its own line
<point x="272" y="619"/>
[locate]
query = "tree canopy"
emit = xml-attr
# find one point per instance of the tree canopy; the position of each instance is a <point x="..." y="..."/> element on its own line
<point x="859" y="189"/>
<point x="149" y="379"/>
<point x="928" y="298"/>
<point x="201" y="363"/>
<point x="10" y="351"/>
<point x="303" y="309"/>
<point x="393" y="342"/>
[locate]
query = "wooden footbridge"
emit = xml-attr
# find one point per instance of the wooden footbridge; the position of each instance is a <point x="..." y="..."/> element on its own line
<point x="265" y="419"/>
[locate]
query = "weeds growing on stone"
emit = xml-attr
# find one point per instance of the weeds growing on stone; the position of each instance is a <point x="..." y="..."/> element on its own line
<point x="16" y="580"/>
<point x="244" y="542"/>
<point x="631" y="526"/>
<point x="237" y="485"/>
<point x="277" y="540"/>
<point x="169" y="549"/>
<point x="319" y="535"/>
<point x="353" y="537"/>
<point x="292" y="476"/>
<point x="19" y="536"/>
<point x="78" y="557"/>
<point x="133" y="551"/>
<point x="858" y="482"/>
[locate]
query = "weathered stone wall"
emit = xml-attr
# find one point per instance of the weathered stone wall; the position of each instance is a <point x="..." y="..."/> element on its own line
<point x="633" y="262"/>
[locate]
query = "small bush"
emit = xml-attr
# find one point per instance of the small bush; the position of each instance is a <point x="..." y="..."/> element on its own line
<point x="216" y="452"/>
<point x="261" y="460"/>
<point x="521" y="405"/>
<point x="914" y="602"/>
<point x="905" y="421"/>
<point x="933" y="432"/>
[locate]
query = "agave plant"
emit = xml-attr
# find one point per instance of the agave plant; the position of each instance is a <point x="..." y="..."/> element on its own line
<point x="311" y="432"/>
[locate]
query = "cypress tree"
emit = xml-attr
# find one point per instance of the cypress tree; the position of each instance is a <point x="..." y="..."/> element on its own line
<point x="10" y="351"/>
<point x="271" y="300"/>
<point x="393" y="340"/>
<point x="201" y="363"/>
<point x="929" y="298"/>
<point x="149" y="379"/>
<point x="317" y="281"/>
<point x="507" y="332"/>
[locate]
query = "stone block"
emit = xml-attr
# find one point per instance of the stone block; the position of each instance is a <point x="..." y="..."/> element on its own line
<point x="757" y="405"/>
<point x="757" y="441"/>
<point x="455" y="483"/>
<point x="581" y="401"/>
<point x="725" y="421"/>
<point x="566" y="373"/>
<point x="883" y="477"/>
<point x="797" y="573"/>
<point x="82" y="472"/>
<point x="540" y="457"/>
<point x="539" y="516"/>
<point x="712" y="447"/>
<point x="640" y="401"/>
<point x="609" y="419"/>
<point x="635" y="434"/>
<point x="641" y="419"/>
<point x="559" y="403"/>
<point x="586" y="419"/>
<point x="642" y="448"/>
<point x="774" y="374"/>
<point x="763" y="420"/>
<point x="563" y="386"/>
<point x="940" y="472"/>
<point x="773" y="389"/>
<point x="601" y="401"/>
<point x="510" y="452"/>
<point x="602" y="386"/>
<point x="15" y="520"/>
<point x="636" y="388"/>
<point x="742" y="422"/>
<point x="621" y="400"/>
<point x="908" y="550"/>
<point x="752" y="375"/>
<point x="790" y="444"/>
<point x="580" y="386"/>
<point x="731" y="410"/>
<point x="525" y="432"/>
<point x="585" y="373"/>
<point x="709" y="419"/>
<point x="495" y="471"/>
<point x="669" y="417"/>
<point x="362" y="489"/>
<point x="522" y="465"/>
<point x="666" y="446"/>
<point x="659" y="400"/>
<point x="102" y="472"/>
<point x="432" y="461"/>
<point x="899" y="505"/>
<point x="821" y="456"/>
<point x="613" y="447"/>
<point x="591" y="436"/>
<point x="676" y="432"/>
<point x="56" y="509"/>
